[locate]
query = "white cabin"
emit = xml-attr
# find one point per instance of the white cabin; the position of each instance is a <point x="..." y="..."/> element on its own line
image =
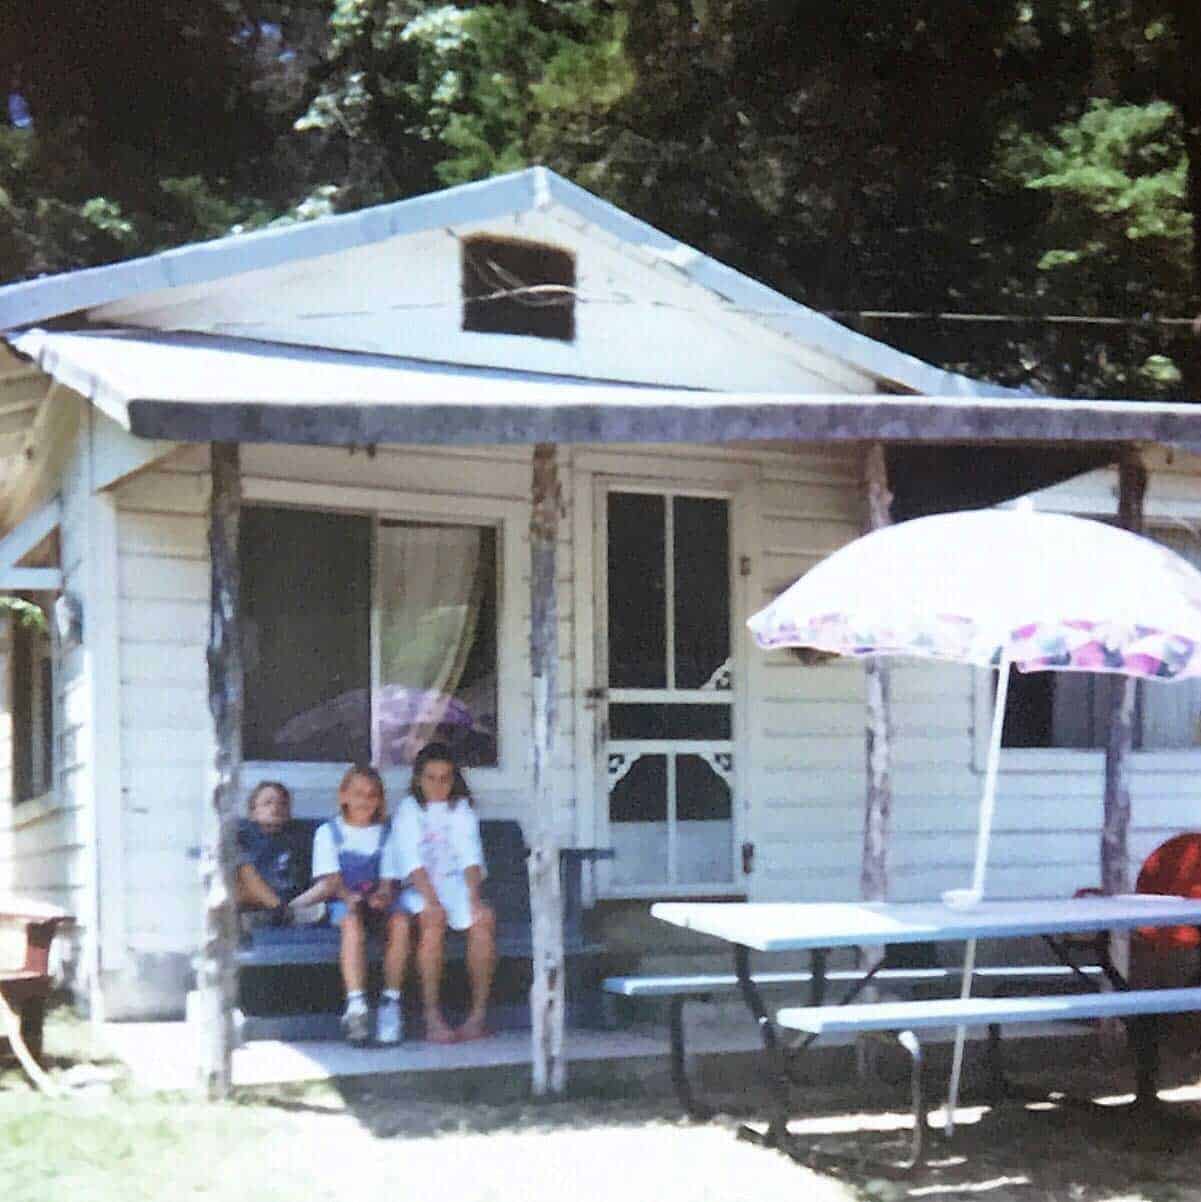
<point x="386" y="579"/>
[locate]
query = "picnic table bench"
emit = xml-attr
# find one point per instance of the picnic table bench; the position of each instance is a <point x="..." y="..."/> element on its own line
<point x="904" y="1019"/>
<point x="267" y="1010"/>
<point x="679" y="990"/>
<point x="27" y="930"/>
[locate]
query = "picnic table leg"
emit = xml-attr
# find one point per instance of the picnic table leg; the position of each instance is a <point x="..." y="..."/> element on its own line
<point x="1100" y="948"/>
<point x="33" y="1016"/>
<point x="917" y="1147"/>
<point x="776" y="1135"/>
<point x="996" y="1066"/>
<point x="679" y="1068"/>
<point x="817" y="966"/>
<point x="1144" y="1038"/>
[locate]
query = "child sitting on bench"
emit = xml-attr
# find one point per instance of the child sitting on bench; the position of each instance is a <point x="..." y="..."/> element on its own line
<point x="438" y="839"/>
<point x="272" y="878"/>
<point x="354" y="861"/>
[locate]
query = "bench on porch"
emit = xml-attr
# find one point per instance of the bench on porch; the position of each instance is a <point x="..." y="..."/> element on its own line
<point x="26" y="931"/>
<point x="904" y="1019"/>
<point x="280" y="967"/>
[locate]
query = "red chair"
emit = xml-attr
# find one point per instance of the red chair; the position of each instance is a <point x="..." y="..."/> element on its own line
<point x="1174" y="869"/>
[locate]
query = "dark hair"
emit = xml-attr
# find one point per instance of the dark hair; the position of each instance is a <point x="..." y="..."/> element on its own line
<point x="278" y="786"/>
<point x="439" y="753"/>
<point x="369" y="773"/>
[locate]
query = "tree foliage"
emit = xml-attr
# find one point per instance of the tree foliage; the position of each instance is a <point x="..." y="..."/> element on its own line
<point x="1014" y="157"/>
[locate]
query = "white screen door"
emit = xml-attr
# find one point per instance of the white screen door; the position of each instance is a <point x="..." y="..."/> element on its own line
<point x="668" y="733"/>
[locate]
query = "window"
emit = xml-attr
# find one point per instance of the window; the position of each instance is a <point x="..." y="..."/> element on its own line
<point x="515" y="287"/>
<point x="1071" y="709"/>
<point x="32" y="683"/>
<point x="366" y="638"/>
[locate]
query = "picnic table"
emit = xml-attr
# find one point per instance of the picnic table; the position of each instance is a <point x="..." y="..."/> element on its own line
<point x="768" y="927"/>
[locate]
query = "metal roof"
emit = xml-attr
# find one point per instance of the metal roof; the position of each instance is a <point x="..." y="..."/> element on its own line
<point x="536" y="188"/>
<point x="191" y="388"/>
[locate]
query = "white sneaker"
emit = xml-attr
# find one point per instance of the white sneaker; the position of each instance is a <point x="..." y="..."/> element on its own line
<point x="307" y="916"/>
<point x="389" y="1022"/>
<point x="356" y="1021"/>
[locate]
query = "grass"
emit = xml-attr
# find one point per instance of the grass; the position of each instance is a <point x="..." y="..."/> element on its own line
<point x="103" y="1141"/>
<point x="415" y="1136"/>
<point x="131" y="1149"/>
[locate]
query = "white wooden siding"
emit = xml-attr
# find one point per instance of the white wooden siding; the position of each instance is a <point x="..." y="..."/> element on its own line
<point x="637" y="318"/>
<point x="166" y="741"/>
<point x="806" y="732"/>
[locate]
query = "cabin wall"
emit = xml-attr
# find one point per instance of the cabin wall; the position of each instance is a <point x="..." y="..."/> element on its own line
<point x="45" y="841"/>
<point x="1046" y="837"/>
<point x="165" y="730"/>
<point x="801" y="791"/>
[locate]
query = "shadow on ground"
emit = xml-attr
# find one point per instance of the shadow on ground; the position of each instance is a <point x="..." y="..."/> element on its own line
<point x="1044" y="1150"/>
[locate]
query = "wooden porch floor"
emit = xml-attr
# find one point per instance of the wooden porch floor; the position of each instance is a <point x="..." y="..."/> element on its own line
<point x="160" y="1056"/>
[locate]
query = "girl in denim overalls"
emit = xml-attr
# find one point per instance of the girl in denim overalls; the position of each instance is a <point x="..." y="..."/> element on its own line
<point x="355" y="859"/>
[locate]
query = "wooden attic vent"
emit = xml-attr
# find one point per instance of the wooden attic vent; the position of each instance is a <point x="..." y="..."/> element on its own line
<point x="537" y="282"/>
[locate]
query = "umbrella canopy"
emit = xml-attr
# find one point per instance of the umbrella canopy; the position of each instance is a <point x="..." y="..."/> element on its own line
<point x="1044" y="590"/>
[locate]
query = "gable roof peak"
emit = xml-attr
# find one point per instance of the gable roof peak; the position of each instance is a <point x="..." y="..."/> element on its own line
<point x="535" y="188"/>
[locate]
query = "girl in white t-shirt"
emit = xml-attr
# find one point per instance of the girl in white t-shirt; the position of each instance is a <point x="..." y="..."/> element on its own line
<point x="357" y="868"/>
<point x="436" y="824"/>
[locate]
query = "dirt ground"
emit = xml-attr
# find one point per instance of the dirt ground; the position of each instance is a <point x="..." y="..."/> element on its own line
<point x="478" y="1139"/>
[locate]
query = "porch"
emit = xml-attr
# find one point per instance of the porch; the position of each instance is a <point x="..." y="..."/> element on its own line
<point x="723" y="1047"/>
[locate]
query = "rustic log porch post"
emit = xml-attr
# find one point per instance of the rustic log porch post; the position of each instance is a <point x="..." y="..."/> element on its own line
<point x="547" y="991"/>
<point x="216" y="975"/>
<point x="873" y="871"/>
<point x="1115" y="830"/>
<point x="873" y="876"/>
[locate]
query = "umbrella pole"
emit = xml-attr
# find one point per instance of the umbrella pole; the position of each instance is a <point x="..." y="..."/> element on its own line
<point x="983" y="834"/>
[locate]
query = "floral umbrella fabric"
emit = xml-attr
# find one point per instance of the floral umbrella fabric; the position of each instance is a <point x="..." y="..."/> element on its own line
<point x="1046" y="591"/>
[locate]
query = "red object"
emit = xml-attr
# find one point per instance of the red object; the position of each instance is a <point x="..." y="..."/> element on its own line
<point x="1173" y="869"/>
<point x="26" y="988"/>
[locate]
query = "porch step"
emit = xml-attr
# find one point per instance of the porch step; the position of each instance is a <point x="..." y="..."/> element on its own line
<point x="294" y="1028"/>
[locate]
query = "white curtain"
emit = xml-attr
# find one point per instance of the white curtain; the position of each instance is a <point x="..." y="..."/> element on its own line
<point x="430" y="587"/>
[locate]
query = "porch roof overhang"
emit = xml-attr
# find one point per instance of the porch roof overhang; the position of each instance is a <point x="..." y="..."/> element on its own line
<point x="199" y="388"/>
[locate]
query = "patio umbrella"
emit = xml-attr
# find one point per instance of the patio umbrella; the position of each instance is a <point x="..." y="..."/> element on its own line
<point x="994" y="588"/>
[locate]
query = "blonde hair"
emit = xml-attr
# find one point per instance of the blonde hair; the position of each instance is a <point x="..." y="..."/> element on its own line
<point x="369" y="773"/>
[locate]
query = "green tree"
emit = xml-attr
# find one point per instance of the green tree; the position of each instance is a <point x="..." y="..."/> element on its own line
<point x="1117" y="237"/>
<point x="422" y="94"/>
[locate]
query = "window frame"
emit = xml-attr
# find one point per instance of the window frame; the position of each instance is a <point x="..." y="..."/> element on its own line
<point x="1076" y="760"/>
<point x="45" y="742"/>
<point x="507" y="518"/>
<point x="480" y="316"/>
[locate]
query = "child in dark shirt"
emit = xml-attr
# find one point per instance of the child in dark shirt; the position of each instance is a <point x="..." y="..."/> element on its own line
<point x="274" y="855"/>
